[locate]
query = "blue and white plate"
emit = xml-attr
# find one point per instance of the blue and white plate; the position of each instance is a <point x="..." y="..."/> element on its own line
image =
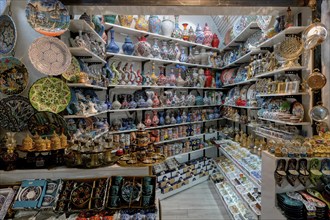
<point x="8" y="34"/>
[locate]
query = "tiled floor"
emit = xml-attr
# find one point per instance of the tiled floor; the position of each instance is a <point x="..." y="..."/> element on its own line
<point x="199" y="202"/>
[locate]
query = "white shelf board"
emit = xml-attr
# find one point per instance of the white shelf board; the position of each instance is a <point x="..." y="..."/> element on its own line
<point x="282" y="94"/>
<point x="285" y="122"/>
<point x="222" y="200"/>
<point x="83" y="52"/>
<point x="191" y="152"/>
<point x="84" y="116"/>
<point x="280" y="71"/>
<point x="135" y="32"/>
<point x="160" y="87"/>
<point x="82" y="85"/>
<point x="82" y="25"/>
<point x="244" y="35"/>
<point x="245" y="107"/>
<point x="246" y="58"/>
<point x="180" y="139"/>
<point x="280" y="36"/>
<point x="260" y="134"/>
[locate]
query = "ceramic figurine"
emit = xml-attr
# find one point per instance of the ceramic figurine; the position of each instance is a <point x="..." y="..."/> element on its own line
<point x="147" y="121"/>
<point x="161" y="118"/>
<point x="183" y="56"/>
<point x="164" y="51"/>
<point x="155" y="101"/>
<point x="115" y="72"/>
<point x="177" y="32"/>
<point x="167" y="26"/>
<point x="215" y="41"/>
<point x="112" y="47"/>
<point x="199" y="35"/>
<point x="155" y="24"/>
<point x="141" y="23"/>
<point x="142" y="48"/>
<point x="192" y="35"/>
<point x="189" y="117"/>
<point x="171" y="51"/>
<point x="177" y="52"/>
<point x="128" y="47"/>
<point x="155" y="119"/>
<point x="208" y="36"/>
<point x="185" y="34"/>
<point x="208" y="78"/>
<point x="99" y="27"/>
<point x="125" y="20"/>
<point x="116" y="104"/>
<point x="191" y="58"/>
<point x="82" y="109"/>
<point x="155" y="49"/>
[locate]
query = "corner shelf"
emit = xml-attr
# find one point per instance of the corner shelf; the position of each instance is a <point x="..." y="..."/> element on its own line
<point x="135" y="32"/>
<point x="285" y="122"/>
<point x="82" y="25"/>
<point x="280" y="71"/>
<point x="87" y="55"/>
<point x="245" y="58"/>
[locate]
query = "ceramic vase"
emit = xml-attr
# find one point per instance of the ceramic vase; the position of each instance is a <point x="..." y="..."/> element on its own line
<point x="155" y="49"/>
<point x="167" y="118"/>
<point x="199" y="34"/>
<point x="208" y="78"/>
<point x="125" y="20"/>
<point x="141" y="23"/>
<point x="162" y="78"/>
<point x="206" y="100"/>
<point x="177" y="52"/>
<point x="147" y="121"/>
<point x="191" y="99"/>
<point x="183" y="56"/>
<point x="217" y="80"/>
<point x="192" y="35"/>
<point x="204" y="56"/>
<point x="112" y="47"/>
<point x="167" y="26"/>
<point x="208" y="36"/>
<point x="171" y="51"/>
<point x="173" y="120"/>
<point x="184" y="117"/>
<point x="215" y="41"/>
<point x="132" y="104"/>
<point x="155" y="119"/>
<point x="150" y="95"/>
<point x="172" y="79"/>
<point x="128" y="46"/>
<point x="191" y="57"/>
<point x="198" y="58"/>
<point x="178" y="118"/>
<point x="155" y="24"/>
<point x="164" y="51"/>
<point x="179" y="81"/>
<point x="116" y="104"/>
<point x="161" y="118"/>
<point x="155" y="100"/>
<point x="142" y="48"/>
<point x="185" y="34"/>
<point x="110" y="18"/>
<point x="177" y="32"/>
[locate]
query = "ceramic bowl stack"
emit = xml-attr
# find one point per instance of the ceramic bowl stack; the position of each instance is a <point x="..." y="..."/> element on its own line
<point x="293" y="209"/>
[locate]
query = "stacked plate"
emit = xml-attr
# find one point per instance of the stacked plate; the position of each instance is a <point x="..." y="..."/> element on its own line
<point x="293" y="209"/>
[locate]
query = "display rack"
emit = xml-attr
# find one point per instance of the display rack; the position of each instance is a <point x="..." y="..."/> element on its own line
<point x="285" y="122"/>
<point x="280" y="71"/>
<point x="86" y="55"/>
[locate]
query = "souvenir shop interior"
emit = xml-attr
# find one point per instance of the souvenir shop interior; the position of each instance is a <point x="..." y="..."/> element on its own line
<point x="141" y="111"/>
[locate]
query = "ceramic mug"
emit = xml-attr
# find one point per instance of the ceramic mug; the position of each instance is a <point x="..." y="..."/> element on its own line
<point x="147" y="190"/>
<point x="114" y="201"/>
<point x="117" y="180"/>
<point x="146" y="201"/>
<point x="114" y="190"/>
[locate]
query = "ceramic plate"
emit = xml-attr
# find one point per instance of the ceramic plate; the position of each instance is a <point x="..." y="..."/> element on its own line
<point x="50" y="94"/>
<point x="243" y="92"/>
<point x="72" y="71"/>
<point x="48" y="17"/>
<point x="45" y="123"/>
<point x="265" y="22"/>
<point x="239" y="25"/>
<point x="228" y="37"/>
<point x="50" y="56"/>
<point x="15" y="112"/>
<point x="298" y="109"/>
<point x="13" y="76"/>
<point x="8" y="34"/>
<point x="3" y="5"/>
<point x="251" y="93"/>
<point x="30" y="193"/>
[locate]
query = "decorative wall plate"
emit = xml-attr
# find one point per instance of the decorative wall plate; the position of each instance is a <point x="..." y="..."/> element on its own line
<point x="239" y="25"/>
<point x="48" y="17"/>
<point x="243" y="92"/>
<point x="73" y="70"/>
<point x="13" y="76"/>
<point x="3" y="5"/>
<point x="81" y="194"/>
<point x="30" y="193"/>
<point x="8" y="34"/>
<point x="251" y="93"/>
<point x="265" y="22"/>
<point x="45" y="123"/>
<point x="50" y="94"/>
<point x="298" y="110"/>
<point x="15" y="112"/>
<point x="50" y="55"/>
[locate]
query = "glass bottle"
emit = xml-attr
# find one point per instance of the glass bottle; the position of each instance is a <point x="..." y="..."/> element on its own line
<point x="185" y="34"/>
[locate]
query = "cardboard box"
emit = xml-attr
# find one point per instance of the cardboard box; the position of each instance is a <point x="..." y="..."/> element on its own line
<point x="161" y="177"/>
<point x="163" y="183"/>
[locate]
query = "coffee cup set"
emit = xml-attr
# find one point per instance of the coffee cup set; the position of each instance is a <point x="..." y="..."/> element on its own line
<point x="182" y="147"/>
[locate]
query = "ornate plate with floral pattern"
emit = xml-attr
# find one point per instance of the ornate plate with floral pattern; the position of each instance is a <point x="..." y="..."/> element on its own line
<point x="50" y="55"/>
<point x="50" y="94"/>
<point x="13" y="76"/>
<point x="15" y="112"/>
<point x="48" y="17"/>
<point x="30" y="193"/>
<point x="8" y="34"/>
<point x="72" y="71"/>
<point x="45" y="123"/>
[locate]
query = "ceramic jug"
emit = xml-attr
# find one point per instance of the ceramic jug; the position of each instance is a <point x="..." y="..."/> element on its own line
<point x="208" y="78"/>
<point x="125" y="20"/>
<point x="167" y="26"/>
<point x="155" y="24"/>
<point x="208" y="36"/>
<point x="128" y="47"/>
<point x="141" y="23"/>
<point x="112" y="47"/>
<point x="142" y="48"/>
